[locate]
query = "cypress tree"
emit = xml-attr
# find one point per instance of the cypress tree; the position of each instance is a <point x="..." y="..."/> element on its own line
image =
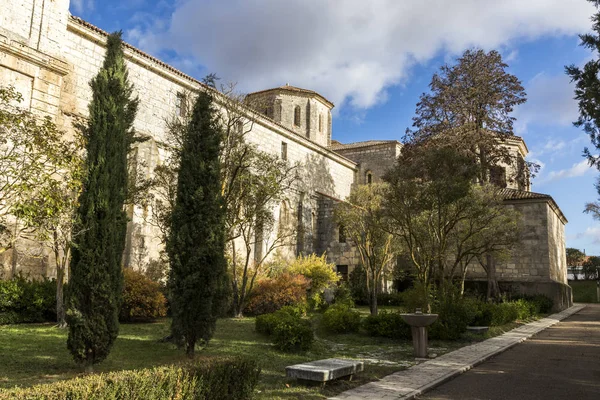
<point x="196" y="246"/>
<point x="96" y="280"/>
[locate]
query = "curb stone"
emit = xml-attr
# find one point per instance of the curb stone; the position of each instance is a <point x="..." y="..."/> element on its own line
<point x="414" y="381"/>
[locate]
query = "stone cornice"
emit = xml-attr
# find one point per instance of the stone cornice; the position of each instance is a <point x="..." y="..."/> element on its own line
<point x="33" y="56"/>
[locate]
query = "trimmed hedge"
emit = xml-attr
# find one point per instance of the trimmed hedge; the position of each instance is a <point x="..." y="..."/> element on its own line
<point x="341" y="319"/>
<point x="212" y="379"/>
<point x="23" y="300"/>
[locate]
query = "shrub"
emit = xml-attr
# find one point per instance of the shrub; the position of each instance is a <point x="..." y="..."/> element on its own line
<point x="416" y="297"/>
<point x="343" y="295"/>
<point x="320" y="274"/>
<point x="211" y="379"/>
<point x="290" y="332"/>
<point x="390" y="299"/>
<point x="454" y="315"/>
<point x="23" y="300"/>
<point x="142" y="298"/>
<point x="341" y="319"/>
<point x="542" y="304"/>
<point x="265" y="323"/>
<point x="387" y="324"/>
<point x="269" y="295"/>
<point x="293" y="334"/>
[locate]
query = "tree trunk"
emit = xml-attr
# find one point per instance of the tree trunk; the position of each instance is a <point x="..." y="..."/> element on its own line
<point x="373" y="302"/>
<point x="493" y="289"/>
<point x="190" y="348"/>
<point x="60" y="305"/>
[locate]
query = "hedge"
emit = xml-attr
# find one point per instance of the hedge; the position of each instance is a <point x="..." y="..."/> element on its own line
<point x="212" y="379"/>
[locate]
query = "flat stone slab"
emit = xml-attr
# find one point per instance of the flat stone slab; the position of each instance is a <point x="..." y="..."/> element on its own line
<point x="478" y="329"/>
<point x="324" y="370"/>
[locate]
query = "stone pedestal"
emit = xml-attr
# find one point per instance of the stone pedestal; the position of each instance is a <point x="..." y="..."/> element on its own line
<point x="420" y="341"/>
<point x="418" y="324"/>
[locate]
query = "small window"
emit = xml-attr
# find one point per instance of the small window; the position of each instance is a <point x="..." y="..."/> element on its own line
<point x="320" y="122"/>
<point x="181" y="105"/>
<point x="283" y="150"/>
<point x="297" y="116"/>
<point x="369" y="177"/>
<point x="342" y="271"/>
<point x="341" y="234"/>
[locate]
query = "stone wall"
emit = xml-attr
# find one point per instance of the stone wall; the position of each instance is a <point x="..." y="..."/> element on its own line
<point x="371" y="159"/>
<point x="338" y="253"/>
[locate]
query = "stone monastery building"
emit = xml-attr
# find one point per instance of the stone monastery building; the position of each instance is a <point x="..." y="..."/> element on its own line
<point x="50" y="56"/>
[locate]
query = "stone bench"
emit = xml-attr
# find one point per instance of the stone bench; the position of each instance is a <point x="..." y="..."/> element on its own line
<point x="324" y="370"/>
<point x="478" y="329"/>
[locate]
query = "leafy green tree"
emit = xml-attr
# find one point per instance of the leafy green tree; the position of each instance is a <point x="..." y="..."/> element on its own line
<point x="590" y="267"/>
<point x="470" y="105"/>
<point x="587" y="88"/>
<point x="96" y="279"/>
<point x="42" y="170"/>
<point x="365" y="224"/>
<point x="443" y="221"/>
<point x="575" y="258"/>
<point x="32" y="149"/>
<point x="196" y="246"/>
<point x="50" y="209"/>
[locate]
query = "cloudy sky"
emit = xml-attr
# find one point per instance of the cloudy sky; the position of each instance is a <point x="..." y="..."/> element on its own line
<point x="374" y="58"/>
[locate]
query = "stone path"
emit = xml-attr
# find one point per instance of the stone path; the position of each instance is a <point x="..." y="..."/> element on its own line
<point x="416" y="380"/>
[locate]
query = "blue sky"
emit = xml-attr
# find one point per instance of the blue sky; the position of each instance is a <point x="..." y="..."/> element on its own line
<point x="374" y="59"/>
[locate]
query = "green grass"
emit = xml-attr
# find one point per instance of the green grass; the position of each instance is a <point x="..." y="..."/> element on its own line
<point x="37" y="353"/>
<point x="584" y="291"/>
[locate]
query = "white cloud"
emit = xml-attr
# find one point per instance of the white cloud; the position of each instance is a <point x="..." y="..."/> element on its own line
<point x="81" y="6"/>
<point x="549" y="102"/>
<point x="578" y="169"/>
<point x="348" y="50"/>
<point x="592" y="233"/>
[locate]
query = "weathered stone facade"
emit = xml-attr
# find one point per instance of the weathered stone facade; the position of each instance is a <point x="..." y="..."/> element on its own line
<point x="50" y="57"/>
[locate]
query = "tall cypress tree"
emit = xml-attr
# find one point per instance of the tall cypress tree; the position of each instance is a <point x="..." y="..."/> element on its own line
<point x="196" y="246"/>
<point x="96" y="278"/>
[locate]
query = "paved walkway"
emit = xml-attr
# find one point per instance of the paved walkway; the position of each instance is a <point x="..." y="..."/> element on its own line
<point x="423" y="377"/>
<point x="562" y="362"/>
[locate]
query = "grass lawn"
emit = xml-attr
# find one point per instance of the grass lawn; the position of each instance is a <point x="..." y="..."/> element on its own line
<point x="37" y="353"/>
<point x="584" y="291"/>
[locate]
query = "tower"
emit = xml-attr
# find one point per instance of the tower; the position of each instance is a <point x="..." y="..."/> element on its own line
<point x="302" y="111"/>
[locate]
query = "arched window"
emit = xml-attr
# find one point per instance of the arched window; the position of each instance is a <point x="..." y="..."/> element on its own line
<point x="341" y="234"/>
<point x="297" y="115"/>
<point x="369" y="177"/>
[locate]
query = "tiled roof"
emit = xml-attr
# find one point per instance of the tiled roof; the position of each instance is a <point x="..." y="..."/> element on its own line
<point x="293" y="89"/>
<point x="514" y="194"/>
<point x="335" y="145"/>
